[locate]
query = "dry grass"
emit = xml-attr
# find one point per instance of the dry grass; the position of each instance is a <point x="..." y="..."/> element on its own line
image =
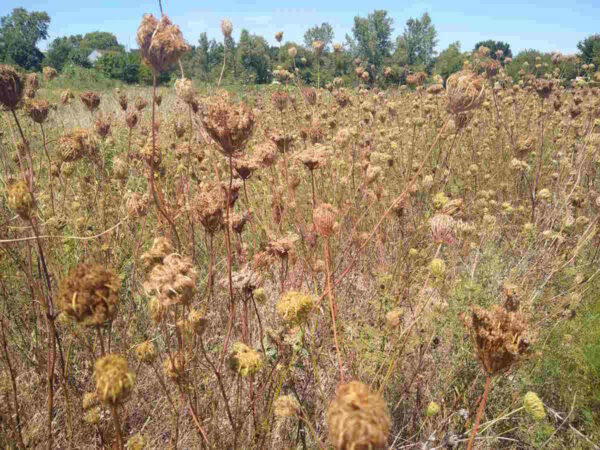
<point x="395" y="216"/>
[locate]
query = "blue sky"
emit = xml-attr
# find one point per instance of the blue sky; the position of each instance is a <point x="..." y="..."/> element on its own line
<point x="544" y="25"/>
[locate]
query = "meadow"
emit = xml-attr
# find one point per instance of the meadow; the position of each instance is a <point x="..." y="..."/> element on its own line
<point x="299" y="267"/>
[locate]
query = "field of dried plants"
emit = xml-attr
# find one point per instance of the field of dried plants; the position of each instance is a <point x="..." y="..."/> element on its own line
<point x="301" y="268"/>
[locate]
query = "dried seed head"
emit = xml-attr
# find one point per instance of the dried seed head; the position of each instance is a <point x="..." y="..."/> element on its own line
<point x="20" y="199"/>
<point x="358" y="418"/>
<point x="77" y="144"/>
<point x="500" y="337"/>
<point x="89" y="400"/>
<point x="137" y="442"/>
<point x="279" y="36"/>
<point x="229" y="124"/>
<point x="37" y="109"/>
<point x="324" y="217"/>
<point x="91" y="100"/>
<point x="286" y="406"/>
<point x="102" y="125"/>
<point x="280" y="100"/>
<point x="226" y="27"/>
<point x="174" y="367"/>
<point x="160" y="42"/>
<point x="123" y="102"/>
<point x="197" y="321"/>
<point x="295" y="307"/>
<point x="465" y="91"/>
<point x="393" y="318"/>
<point x="244" y="360"/>
<point x="114" y="380"/>
<point x="292" y="52"/>
<point x="310" y="94"/>
<point x="432" y="409"/>
<point x="544" y="87"/>
<point x="131" y="120"/>
<point x="49" y="73"/>
<point x="173" y="280"/>
<point x="90" y="294"/>
<point x="32" y="84"/>
<point x="184" y="88"/>
<point x="318" y="47"/>
<point x="146" y="352"/>
<point x="11" y="87"/>
<point x="66" y="96"/>
<point x="534" y="406"/>
<point x="442" y="227"/>
<point x="140" y="103"/>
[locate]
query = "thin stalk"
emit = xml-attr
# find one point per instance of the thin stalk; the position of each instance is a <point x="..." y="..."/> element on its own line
<point x="488" y="380"/>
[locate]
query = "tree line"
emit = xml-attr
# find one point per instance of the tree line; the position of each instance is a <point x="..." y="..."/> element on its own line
<point x="252" y="60"/>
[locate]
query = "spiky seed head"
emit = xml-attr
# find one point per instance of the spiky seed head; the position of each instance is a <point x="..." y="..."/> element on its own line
<point x="534" y="406"/>
<point x="20" y="199"/>
<point x="324" y="217"/>
<point x="89" y="294"/>
<point x="226" y="27"/>
<point x="279" y="36"/>
<point x="244" y="360"/>
<point x="198" y="321"/>
<point x="91" y="100"/>
<point x="146" y="352"/>
<point x="432" y="409"/>
<point x="11" y="86"/>
<point x="76" y="144"/>
<point x="173" y="281"/>
<point x="137" y="442"/>
<point x="465" y="91"/>
<point x="37" y="109"/>
<point x="49" y="73"/>
<point x="358" y="418"/>
<point x="286" y="406"/>
<point x="161" y="43"/>
<point x="174" y="367"/>
<point x="292" y="52"/>
<point x="140" y="103"/>
<point x="318" y="47"/>
<point x="230" y="125"/>
<point x="66" y="96"/>
<point x="499" y="335"/>
<point x="114" y="380"/>
<point x="123" y="101"/>
<point x="32" y="84"/>
<point x="184" y="88"/>
<point x="295" y="307"/>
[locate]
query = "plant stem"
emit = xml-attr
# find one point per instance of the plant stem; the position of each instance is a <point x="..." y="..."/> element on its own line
<point x="488" y="380"/>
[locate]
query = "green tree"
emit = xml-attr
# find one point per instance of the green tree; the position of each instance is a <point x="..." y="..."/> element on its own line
<point x="420" y="39"/>
<point x="120" y="66"/>
<point x="371" y="39"/>
<point x="494" y="46"/>
<point x="63" y="50"/>
<point x="590" y="50"/>
<point x="101" y="40"/>
<point x="323" y="32"/>
<point x="253" y="58"/>
<point x="20" y="32"/>
<point x="449" y="61"/>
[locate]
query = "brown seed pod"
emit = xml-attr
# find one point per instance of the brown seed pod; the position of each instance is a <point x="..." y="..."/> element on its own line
<point x="20" y="199"/>
<point x="37" y="109"/>
<point x="91" y="100"/>
<point x="49" y="73"/>
<point x="184" y="88"/>
<point x="114" y="380"/>
<point x="11" y="87"/>
<point x="90" y="294"/>
<point x="140" y="103"/>
<point x="324" y="217"/>
<point x="123" y="102"/>
<point x="229" y="124"/>
<point x="131" y="120"/>
<point x="358" y="419"/>
<point x="160" y="42"/>
<point x="32" y="84"/>
<point x="77" y="144"/>
<point x="465" y="91"/>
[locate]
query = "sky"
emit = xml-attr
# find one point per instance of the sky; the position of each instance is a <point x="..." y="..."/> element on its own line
<point x="544" y="25"/>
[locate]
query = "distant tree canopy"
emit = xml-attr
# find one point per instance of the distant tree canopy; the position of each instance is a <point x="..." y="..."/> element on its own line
<point x="20" y="32"/>
<point x="449" y="61"/>
<point x="590" y="50"/>
<point x="419" y="41"/>
<point x="388" y="58"/>
<point x="372" y="37"/>
<point x="323" y="32"/>
<point x="494" y="46"/>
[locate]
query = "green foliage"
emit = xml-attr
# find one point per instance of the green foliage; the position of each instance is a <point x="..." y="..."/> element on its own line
<point x="371" y="40"/>
<point x="253" y="58"/>
<point x="101" y="40"/>
<point x="419" y="40"/>
<point x="590" y="50"/>
<point x="449" y="61"/>
<point x="120" y="66"/>
<point x="19" y="34"/>
<point x="323" y="33"/>
<point x="494" y="46"/>
<point x="62" y="51"/>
